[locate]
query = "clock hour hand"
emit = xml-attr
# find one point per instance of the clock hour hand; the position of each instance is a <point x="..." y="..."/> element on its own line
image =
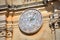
<point x="32" y="17"/>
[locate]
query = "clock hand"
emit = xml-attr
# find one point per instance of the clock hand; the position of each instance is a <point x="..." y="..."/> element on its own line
<point x="32" y="17"/>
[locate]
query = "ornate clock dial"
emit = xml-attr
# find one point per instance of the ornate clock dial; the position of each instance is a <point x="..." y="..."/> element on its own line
<point x="30" y="21"/>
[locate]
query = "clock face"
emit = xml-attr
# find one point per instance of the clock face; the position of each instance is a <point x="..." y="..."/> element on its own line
<point x="30" y="21"/>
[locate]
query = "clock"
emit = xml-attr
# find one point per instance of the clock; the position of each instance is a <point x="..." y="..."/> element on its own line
<point x="30" y="21"/>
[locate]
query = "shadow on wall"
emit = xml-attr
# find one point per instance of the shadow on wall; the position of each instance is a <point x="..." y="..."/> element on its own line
<point x="55" y="5"/>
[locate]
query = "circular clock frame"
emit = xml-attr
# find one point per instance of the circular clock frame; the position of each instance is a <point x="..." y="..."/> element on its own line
<point x="30" y="21"/>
